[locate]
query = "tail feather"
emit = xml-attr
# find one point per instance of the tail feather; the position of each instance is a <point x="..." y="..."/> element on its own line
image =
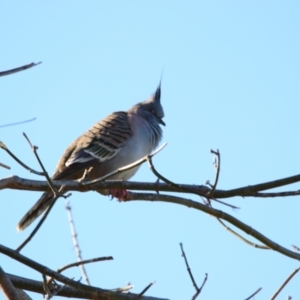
<point x="37" y="209"/>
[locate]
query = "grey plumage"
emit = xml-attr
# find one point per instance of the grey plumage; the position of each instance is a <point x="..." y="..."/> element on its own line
<point x="119" y="139"/>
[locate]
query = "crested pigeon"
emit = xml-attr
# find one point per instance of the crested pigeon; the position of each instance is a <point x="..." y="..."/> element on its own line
<point x="121" y="138"/>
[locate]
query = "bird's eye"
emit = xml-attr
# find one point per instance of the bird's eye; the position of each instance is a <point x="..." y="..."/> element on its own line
<point x="153" y="112"/>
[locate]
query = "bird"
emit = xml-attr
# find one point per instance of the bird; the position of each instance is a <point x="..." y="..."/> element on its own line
<point x="119" y="139"/>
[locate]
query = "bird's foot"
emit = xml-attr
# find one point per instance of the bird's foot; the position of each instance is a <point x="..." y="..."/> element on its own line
<point x="119" y="194"/>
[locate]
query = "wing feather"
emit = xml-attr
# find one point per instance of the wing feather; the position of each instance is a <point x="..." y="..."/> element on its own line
<point x="98" y="144"/>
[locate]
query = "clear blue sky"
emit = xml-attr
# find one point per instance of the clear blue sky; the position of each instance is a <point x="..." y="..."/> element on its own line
<point x="230" y="82"/>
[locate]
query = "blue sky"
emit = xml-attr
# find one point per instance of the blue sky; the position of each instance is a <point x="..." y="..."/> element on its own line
<point x="230" y="82"/>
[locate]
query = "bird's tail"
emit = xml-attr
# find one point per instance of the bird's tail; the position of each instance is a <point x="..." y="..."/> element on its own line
<point x="37" y="209"/>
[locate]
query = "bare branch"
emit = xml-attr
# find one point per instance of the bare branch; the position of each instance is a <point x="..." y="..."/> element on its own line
<point x="17" y="123"/>
<point x="7" y="287"/>
<point x="216" y="213"/>
<point x="224" y="203"/>
<point x="252" y="295"/>
<point x="67" y="291"/>
<point x="19" y="183"/>
<point x="217" y="164"/>
<point x="285" y="283"/>
<point x="34" y="231"/>
<point x="251" y="190"/>
<point x="75" y="242"/>
<point x="25" y="67"/>
<point x="145" y="290"/>
<point x="188" y="268"/>
<point x="4" y="166"/>
<point x="296" y="248"/>
<point x="19" y="161"/>
<point x="200" y="289"/>
<point x="95" y="293"/>
<point x="169" y="182"/>
<point x="242" y="238"/>
<point x="45" y="173"/>
<point x="248" y="191"/>
<point x="86" y="261"/>
<point x="278" y="194"/>
<point x="22" y="294"/>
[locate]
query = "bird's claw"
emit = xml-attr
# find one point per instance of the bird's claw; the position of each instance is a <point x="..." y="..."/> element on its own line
<point x="119" y="194"/>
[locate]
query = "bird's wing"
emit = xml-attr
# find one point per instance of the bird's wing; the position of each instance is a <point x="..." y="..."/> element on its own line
<point x="100" y="143"/>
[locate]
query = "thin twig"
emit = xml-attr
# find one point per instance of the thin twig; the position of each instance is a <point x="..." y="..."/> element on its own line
<point x="296" y="248"/>
<point x="285" y="283"/>
<point x="17" y="123"/>
<point x="153" y="197"/>
<point x="242" y="238"/>
<point x="86" y="261"/>
<point x="19" y="161"/>
<point x="252" y="295"/>
<point x="274" y="195"/>
<point x="145" y="290"/>
<point x="34" y="231"/>
<point x="45" y="173"/>
<point x="25" y="67"/>
<point x="125" y="168"/>
<point x="200" y="289"/>
<point x="4" y="166"/>
<point x="169" y="182"/>
<point x="224" y="203"/>
<point x="75" y="242"/>
<point x="95" y="291"/>
<point x="217" y="163"/>
<point x="188" y="268"/>
<point x="70" y="292"/>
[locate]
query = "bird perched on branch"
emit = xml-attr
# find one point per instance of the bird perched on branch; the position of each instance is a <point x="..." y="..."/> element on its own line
<point x="114" y="142"/>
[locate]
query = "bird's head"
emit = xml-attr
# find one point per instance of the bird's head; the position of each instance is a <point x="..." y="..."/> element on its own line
<point x="151" y="108"/>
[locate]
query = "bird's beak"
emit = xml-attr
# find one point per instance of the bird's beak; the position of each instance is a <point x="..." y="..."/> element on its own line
<point x="160" y="121"/>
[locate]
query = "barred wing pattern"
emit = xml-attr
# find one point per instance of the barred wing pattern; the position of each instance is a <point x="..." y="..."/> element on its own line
<point x="103" y="141"/>
<point x="100" y="143"/>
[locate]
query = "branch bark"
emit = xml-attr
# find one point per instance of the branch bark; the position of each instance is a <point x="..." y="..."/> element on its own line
<point x="19" y="183"/>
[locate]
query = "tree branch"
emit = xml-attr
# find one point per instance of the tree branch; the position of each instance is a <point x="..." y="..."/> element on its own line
<point x="216" y="213"/>
<point x="188" y="268"/>
<point x="63" y="291"/>
<point x="7" y="287"/>
<point x="217" y="164"/>
<point x="4" y="166"/>
<point x="242" y="238"/>
<point x="144" y="290"/>
<point x="285" y="283"/>
<point x="252" y="295"/>
<point x="94" y="292"/>
<point x="25" y="67"/>
<point x="75" y="242"/>
<point x="3" y="146"/>
<point x="17" y="123"/>
<point x="18" y="183"/>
